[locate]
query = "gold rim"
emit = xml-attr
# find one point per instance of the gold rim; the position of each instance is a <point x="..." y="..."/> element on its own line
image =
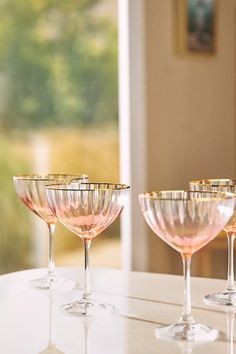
<point x="114" y="186"/>
<point x="213" y="182"/>
<point x="45" y="177"/>
<point x="225" y="195"/>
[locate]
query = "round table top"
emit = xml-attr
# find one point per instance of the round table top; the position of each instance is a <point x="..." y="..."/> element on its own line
<point x="33" y="323"/>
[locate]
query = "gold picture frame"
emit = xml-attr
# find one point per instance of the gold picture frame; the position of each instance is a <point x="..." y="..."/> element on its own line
<point x="196" y="27"/>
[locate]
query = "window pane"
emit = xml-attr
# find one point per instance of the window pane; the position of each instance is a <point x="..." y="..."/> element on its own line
<point x="58" y="113"/>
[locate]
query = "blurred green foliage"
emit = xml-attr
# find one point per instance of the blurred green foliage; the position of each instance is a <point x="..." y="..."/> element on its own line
<point x="14" y="234"/>
<point x="58" y="61"/>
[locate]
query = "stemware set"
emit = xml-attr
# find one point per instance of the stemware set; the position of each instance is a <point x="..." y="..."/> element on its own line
<point x="185" y="220"/>
<point x="84" y="208"/>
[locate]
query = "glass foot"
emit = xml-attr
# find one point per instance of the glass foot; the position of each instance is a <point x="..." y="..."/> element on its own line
<point x="88" y="307"/>
<point x="52" y="283"/>
<point x="193" y="332"/>
<point x="224" y="298"/>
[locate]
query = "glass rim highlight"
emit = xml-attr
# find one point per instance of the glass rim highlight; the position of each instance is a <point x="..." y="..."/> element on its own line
<point x="45" y="176"/>
<point x="62" y="187"/>
<point x="219" y="195"/>
<point x="213" y="182"/>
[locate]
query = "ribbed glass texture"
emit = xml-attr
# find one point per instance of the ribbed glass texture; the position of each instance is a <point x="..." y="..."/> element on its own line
<point x="87" y="209"/>
<point x="31" y="191"/>
<point x="186" y="220"/>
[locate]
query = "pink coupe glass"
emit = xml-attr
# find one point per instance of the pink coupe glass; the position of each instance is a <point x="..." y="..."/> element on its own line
<point x="87" y="209"/>
<point x="187" y="221"/>
<point x="31" y="191"/>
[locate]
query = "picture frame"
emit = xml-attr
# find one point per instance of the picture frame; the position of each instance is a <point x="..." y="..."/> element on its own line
<point x="196" y="27"/>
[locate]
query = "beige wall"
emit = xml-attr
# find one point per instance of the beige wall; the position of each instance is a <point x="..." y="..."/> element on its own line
<point x="190" y="110"/>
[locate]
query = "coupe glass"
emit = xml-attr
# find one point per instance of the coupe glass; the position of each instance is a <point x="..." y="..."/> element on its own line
<point x="187" y="221"/>
<point x="227" y="297"/>
<point x="31" y="190"/>
<point x="87" y="209"/>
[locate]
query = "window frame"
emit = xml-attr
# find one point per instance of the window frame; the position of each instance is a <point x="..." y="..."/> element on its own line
<point x="132" y="129"/>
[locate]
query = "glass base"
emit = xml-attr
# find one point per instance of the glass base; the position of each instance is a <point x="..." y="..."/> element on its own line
<point x="52" y="283"/>
<point x="224" y="298"/>
<point x="193" y="332"/>
<point x="88" y="308"/>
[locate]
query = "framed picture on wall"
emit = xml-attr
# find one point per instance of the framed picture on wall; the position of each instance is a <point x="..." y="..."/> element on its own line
<point x="196" y="26"/>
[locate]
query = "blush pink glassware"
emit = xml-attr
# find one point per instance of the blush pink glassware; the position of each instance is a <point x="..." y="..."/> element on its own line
<point x="187" y="221"/>
<point x="226" y="297"/>
<point x="87" y="209"/>
<point x="31" y="191"/>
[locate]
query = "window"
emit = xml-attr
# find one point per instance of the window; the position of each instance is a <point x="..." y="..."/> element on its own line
<point x="58" y="113"/>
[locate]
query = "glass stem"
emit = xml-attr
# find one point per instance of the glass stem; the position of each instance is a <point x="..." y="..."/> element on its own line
<point x="87" y="291"/>
<point x="51" y="263"/>
<point x="186" y="316"/>
<point x="230" y="279"/>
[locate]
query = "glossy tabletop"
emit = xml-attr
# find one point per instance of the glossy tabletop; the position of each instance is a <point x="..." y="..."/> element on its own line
<point x="30" y="319"/>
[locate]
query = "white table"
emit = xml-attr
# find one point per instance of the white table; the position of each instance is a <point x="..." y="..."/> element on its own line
<point x="143" y="299"/>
